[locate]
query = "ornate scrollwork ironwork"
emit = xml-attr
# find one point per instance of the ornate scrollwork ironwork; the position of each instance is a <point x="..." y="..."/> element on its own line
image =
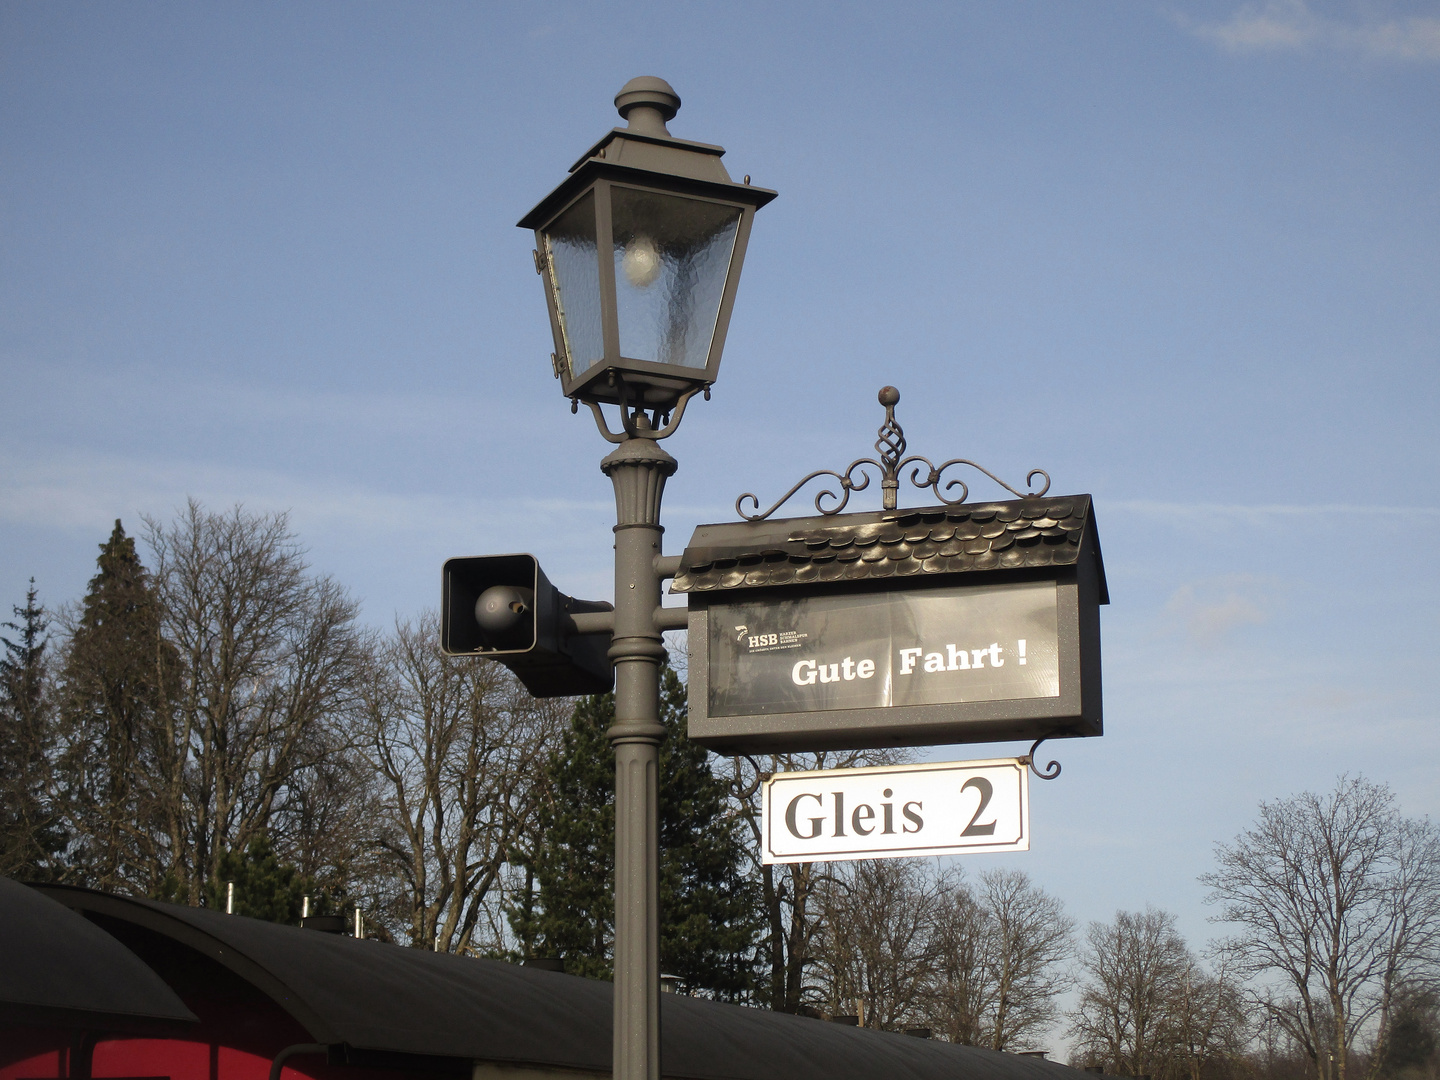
<point x="1051" y="770"/>
<point x="890" y="446"/>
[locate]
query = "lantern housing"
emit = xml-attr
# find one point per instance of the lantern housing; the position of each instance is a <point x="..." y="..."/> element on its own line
<point x="640" y="249"/>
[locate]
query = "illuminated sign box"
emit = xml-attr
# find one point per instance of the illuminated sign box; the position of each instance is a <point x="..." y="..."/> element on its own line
<point x="955" y="624"/>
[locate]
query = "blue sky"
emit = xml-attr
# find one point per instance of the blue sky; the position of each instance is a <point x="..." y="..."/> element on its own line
<point x="1186" y="257"/>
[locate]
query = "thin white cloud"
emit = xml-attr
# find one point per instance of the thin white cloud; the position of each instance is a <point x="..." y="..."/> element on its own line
<point x="1212" y="610"/>
<point x="1289" y="25"/>
<point x="1282" y="24"/>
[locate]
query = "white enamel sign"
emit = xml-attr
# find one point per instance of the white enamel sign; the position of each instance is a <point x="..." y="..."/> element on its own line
<point x="942" y="808"/>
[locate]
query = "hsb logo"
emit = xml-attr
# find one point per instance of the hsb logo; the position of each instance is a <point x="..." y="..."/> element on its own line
<point x="760" y="640"/>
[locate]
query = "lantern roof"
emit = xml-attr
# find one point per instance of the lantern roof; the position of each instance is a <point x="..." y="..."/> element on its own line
<point x="645" y="153"/>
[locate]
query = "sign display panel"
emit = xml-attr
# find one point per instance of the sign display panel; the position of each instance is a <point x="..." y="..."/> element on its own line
<point x="890" y="812"/>
<point x="886" y="649"/>
<point x="950" y="624"/>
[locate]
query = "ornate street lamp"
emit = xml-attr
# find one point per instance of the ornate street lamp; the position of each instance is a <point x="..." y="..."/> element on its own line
<point x="640" y="248"/>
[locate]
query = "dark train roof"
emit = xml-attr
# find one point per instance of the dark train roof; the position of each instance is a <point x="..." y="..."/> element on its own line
<point x="965" y="538"/>
<point x="60" y="969"/>
<point x="369" y="996"/>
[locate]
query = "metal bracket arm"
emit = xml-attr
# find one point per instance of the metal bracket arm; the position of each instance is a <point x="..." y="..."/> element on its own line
<point x="587" y="622"/>
<point x="603" y="622"/>
<point x="1050" y="772"/>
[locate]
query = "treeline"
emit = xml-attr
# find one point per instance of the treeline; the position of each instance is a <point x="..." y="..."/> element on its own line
<point x="217" y="727"/>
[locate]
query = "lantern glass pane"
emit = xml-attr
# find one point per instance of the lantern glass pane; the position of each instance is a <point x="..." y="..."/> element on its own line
<point x="672" y="255"/>
<point x="574" y="260"/>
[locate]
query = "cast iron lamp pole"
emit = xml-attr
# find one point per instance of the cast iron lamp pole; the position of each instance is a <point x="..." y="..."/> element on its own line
<point x="640" y="248"/>
<point x="638" y="469"/>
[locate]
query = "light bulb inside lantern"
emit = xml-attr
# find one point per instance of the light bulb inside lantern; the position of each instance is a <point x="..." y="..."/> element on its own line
<point x="641" y="262"/>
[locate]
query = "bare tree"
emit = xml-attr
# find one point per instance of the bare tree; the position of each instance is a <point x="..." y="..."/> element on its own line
<point x="268" y="658"/>
<point x="460" y="748"/>
<point x="1133" y="971"/>
<point x="1030" y="938"/>
<point x="328" y="828"/>
<point x="878" y="942"/>
<point x="1337" y="900"/>
<point x="1412" y="949"/>
<point x="914" y="946"/>
<point x="788" y="890"/>
<point x="961" y="994"/>
<point x="1207" y="1020"/>
<point x="999" y="960"/>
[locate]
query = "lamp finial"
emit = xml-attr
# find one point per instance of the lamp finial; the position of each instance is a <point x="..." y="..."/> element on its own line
<point x="646" y="104"/>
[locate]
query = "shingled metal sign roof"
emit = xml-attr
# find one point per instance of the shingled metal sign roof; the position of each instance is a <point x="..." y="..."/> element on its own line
<point x="1013" y="535"/>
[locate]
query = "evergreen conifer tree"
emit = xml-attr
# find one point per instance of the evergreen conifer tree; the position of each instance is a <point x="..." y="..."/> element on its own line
<point x="708" y="913"/>
<point x="1413" y="1040"/>
<point x="265" y="888"/>
<point x="30" y="838"/>
<point x="115" y="681"/>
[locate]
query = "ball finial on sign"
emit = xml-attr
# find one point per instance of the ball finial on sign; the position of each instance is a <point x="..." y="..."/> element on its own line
<point x="889" y="396"/>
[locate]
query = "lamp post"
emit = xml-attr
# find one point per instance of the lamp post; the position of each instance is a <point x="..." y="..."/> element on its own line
<point x="640" y="249"/>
